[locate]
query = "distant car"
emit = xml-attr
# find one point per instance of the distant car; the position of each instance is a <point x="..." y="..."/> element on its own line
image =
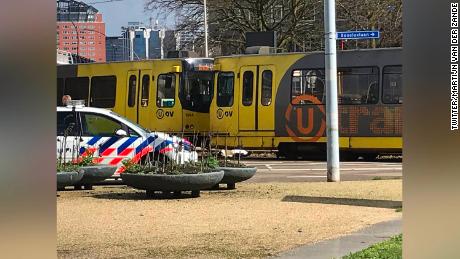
<point x="112" y="138"/>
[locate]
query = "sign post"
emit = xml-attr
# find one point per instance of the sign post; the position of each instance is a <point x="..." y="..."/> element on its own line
<point x="332" y="110"/>
<point x="205" y="30"/>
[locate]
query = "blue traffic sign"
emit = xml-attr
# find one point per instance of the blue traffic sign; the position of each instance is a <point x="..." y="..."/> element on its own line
<point x="356" y="35"/>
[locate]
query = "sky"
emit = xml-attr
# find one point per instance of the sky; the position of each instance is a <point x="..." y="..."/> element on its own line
<point x="118" y="13"/>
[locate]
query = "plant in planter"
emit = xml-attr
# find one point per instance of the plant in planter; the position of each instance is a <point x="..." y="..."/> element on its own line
<point x="166" y="176"/>
<point x="67" y="174"/>
<point x="93" y="173"/>
<point x="234" y="170"/>
<point x="70" y="162"/>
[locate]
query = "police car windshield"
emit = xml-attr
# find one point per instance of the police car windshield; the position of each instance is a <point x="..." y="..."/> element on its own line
<point x="132" y="122"/>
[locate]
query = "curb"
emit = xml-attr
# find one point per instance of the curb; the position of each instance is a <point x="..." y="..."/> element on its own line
<point x="339" y="247"/>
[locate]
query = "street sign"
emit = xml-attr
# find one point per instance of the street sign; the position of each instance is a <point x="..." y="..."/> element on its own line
<point x="356" y="35"/>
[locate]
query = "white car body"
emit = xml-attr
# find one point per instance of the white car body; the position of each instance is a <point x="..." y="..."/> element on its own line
<point x="133" y="142"/>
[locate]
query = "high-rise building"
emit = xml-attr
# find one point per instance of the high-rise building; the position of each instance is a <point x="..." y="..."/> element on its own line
<point x="80" y="30"/>
<point x="117" y="49"/>
<point x="138" y="42"/>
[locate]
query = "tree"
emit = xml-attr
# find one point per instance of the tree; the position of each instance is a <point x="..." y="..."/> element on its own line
<point x="382" y="15"/>
<point x="298" y="23"/>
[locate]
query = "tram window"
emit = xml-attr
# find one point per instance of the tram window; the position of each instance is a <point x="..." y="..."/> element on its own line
<point x="267" y="78"/>
<point x="248" y="81"/>
<point x="132" y="82"/>
<point x="225" y="89"/>
<point x="392" y="85"/>
<point x="103" y="91"/>
<point x="358" y="85"/>
<point x="196" y="90"/>
<point x="308" y="82"/>
<point x="145" y="90"/>
<point x="60" y="91"/>
<point x="166" y="90"/>
<point x="77" y="88"/>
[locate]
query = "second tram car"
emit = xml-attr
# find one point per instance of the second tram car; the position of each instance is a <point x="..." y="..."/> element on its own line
<point x="277" y="102"/>
<point x="169" y="95"/>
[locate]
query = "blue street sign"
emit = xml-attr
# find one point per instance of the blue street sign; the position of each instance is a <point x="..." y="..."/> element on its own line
<point x="356" y="35"/>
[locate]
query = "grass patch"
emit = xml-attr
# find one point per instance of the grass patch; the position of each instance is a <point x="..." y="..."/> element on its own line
<point x="399" y="209"/>
<point x="377" y="178"/>
<point x="390" y="249"/>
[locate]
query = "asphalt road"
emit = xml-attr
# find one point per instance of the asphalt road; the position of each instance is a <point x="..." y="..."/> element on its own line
<point x="315" y="171"/>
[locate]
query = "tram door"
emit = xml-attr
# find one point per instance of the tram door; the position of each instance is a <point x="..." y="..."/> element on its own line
<point x="265" y="104"/>
<point x="132" y="89"/>
<point x="145" y="96"/>
<point x="138" y="96"/>
<point x="256" y="108"/>
<point x="167" y="114"/>
<point x="248" y="98"/>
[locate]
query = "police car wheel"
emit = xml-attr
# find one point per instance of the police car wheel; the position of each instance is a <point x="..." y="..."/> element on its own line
<point x="77" y="187"/>
<point x="88" y="187"/>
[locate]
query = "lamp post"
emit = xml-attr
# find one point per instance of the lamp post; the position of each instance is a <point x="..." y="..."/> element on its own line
<point x="332" y="121"/>
<point x="161" y="35"/>
<point x="205" y="30"/>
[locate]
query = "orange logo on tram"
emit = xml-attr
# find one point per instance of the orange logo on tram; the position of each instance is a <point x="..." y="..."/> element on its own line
<point x="299" y="119"/>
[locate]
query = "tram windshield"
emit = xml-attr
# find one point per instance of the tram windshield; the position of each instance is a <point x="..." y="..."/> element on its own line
<point x="197" y="85"/>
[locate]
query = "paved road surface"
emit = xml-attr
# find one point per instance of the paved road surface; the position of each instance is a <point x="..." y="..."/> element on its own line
<point x="309" y="171"/>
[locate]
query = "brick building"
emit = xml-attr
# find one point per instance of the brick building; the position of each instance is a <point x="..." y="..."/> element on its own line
<point x="80" y="30"/>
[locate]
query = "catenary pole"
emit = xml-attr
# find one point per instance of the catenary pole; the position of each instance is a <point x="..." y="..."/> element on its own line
<point x="205" y="30"/>
<point x="332" y="120"/>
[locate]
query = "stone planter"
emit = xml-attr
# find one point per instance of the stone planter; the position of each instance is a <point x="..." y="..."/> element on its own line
<point x="234" y="175"/>
<point x="68" y="178"/>
<point x="95" y="174"/>
<point x="172" y="183"/>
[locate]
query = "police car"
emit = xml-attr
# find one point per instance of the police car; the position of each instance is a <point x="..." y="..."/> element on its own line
<point x="111" y="138"/>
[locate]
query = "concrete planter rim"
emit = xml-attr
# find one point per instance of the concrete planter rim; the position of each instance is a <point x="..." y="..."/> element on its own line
<point x="165" y="182"/>
<point x="64" y="178"/>
<point x="237" y="174"/>
<point x="97" y="173"/>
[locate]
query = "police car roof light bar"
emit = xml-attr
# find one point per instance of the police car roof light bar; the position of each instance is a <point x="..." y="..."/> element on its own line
<point x="79" y="103"/>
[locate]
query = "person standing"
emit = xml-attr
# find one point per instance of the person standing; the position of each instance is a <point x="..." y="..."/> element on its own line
<point x="66" y="99"/>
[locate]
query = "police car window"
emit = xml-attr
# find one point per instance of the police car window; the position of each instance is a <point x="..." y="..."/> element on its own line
<point x="99" y="125"/>
<point x="66" y="123"/>
<point x="132" y="122"/>
<point x="132" y="133"/>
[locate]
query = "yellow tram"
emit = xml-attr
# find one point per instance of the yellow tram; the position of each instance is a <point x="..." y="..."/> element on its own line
<point x="277" y="102"/>
<point x="170" y="95"/>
